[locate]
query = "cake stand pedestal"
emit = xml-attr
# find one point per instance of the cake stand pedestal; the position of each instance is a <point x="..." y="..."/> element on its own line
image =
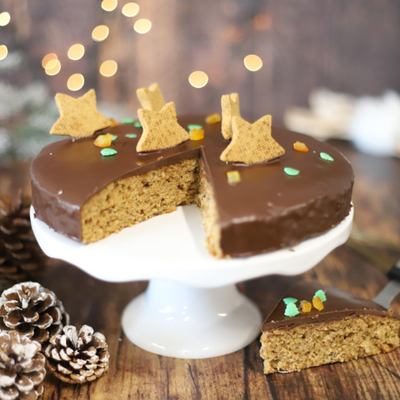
<point x="192" y="308"/>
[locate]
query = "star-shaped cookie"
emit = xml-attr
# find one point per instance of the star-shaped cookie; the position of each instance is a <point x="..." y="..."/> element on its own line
<point x="230" y="108"/>
<point x="78" y="117"/>
<point x="252" y="143"/>
<point x="160" y="129"/>
<point x="151" y="98"/>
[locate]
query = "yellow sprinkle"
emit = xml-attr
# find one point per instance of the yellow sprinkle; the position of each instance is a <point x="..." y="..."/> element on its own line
<point x="104" y="140"/>
<point x="196" y="134"/>
<point x="306" y="306"/>
<point x="233" y="176"/>
<point x="213" y="118"/>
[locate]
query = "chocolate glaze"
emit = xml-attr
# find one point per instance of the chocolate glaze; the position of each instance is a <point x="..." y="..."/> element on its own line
<point x="338" y="305"/>
<point x="266" y="210"/>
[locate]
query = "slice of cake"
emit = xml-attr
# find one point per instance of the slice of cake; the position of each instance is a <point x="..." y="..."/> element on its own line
<point x="314" y="325"/>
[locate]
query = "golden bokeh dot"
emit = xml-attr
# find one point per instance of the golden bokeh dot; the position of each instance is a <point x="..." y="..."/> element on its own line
<point x="109" y="5"/>
<point x="100" y="33"/>
<point x="47" y="58"/>
<point x="108" y="68"/>
<point x="3" y="52"/>
<point x="76" y="52"/>
<point x="130" y="9"/>
<point x="53" y="67"/>
<point x="253" y="62"/>
<point x="5" y="18"/>
<point x="75" y="82"/>
<point x="198" y="79"/>
<point x="142" y="25"/>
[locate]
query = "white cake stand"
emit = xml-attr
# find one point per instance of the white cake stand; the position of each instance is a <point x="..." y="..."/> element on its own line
<point x="192" y="308"/>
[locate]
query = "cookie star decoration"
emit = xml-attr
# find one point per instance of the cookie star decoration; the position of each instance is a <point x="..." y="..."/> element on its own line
<point x="230" y="108"/>
<point x="160" y="129"/>
<point x="78" y="117"/>
<point x="252" y="143"/>
<point x="151" y="98"/>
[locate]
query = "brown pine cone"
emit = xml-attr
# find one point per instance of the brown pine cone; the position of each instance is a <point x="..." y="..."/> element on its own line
<point x="78" y="357"/>
<point x="20" y="254"/>
<point x="32" y="311"/>
<point x="22" y="367"/>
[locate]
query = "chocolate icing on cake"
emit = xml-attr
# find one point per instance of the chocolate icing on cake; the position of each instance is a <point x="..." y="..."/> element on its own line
<point x="266" y="210"/>
<point x="338" y="305"/>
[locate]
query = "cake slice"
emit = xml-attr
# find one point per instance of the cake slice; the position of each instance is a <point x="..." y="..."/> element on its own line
<point x="348" y="327"/>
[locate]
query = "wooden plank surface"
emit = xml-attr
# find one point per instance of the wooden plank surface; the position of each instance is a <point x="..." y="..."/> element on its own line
<point x="135" y="373"/>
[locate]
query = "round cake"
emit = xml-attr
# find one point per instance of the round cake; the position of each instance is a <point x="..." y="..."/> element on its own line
<point x="87" y="196"/>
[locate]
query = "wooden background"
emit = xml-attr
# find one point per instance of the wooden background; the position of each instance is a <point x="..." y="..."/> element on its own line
<point x="348" y="46"/>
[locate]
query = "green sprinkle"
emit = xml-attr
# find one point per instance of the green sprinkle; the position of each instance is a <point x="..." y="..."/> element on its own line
<point x="131" y="135"/>
<point x="128" y="121"/>
<point x="114" y="137"/>
<point x="194" y="126"/>
<point x="108" y="152"/>
<point x="326" y="157"/>
<point x="138" y="125"/>
<point x="291" y="310"/>
<point x="289" y="300"/>
<point x="321" y="294"/>
<point x="291" y="171"/>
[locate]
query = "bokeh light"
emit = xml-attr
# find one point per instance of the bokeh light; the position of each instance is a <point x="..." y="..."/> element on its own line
<point x="4" y="18"/>
<point x="109" y="5"/>
<point x="75" y="82"/>
<point x="3" y="52"/>
<point x="108" y="68"/>
<point x="130" y="9"/>
<point x="47" y="58"/>
<point x="253" y="62"/>
<point x="142" y="25"/>
<point x="53" y="67"/>
<point x="198" y="79"/>
<point x="262" y="22"/>
<point x="100" y="33"/>
<point x="76" y="52"/>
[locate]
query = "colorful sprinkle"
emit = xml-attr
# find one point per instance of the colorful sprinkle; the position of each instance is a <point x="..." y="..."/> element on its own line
<point x="131" y="135"/>
<point x="103" y="140"/>
<point x="291" y="310"/>
<point x="326" y="157"/>
<point x="321" y="294"/>
<point x="114" y="137"/>
<point x="213" y="118"/>
<point x="289" y="300"/>
<point x="233" y="176"/>
<point x="113" y="122"/>
<point x="196" y="134"/>
<point x="108" y="152"/>
<point x="291" y="171"/>
<point x="194" y="126"/>
<point x="300" y="146"/>
<point x="306" y="306"/>
<point x="138" y="125"/>
<point x="317" y="303"/>
<point x="128" y="121"/>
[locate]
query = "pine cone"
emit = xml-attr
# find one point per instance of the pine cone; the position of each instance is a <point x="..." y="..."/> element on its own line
<point x="22" y="367"/>
<point x="32" y="311"/>
<point x="78" y="357"/>
<point x="20" y="254"/>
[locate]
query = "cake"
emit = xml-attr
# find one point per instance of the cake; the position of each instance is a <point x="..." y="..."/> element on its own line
<point x="87" y="196"/>
<point x="348" y="327"/>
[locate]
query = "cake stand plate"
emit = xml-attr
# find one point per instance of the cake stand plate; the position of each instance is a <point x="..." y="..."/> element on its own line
<point x="191" y="308"/>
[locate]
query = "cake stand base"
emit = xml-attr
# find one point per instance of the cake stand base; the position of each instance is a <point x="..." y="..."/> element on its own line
<point x="176" y="320"/>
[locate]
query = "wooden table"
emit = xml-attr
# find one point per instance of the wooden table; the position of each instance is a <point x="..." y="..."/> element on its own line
<point x="135" y="373"/>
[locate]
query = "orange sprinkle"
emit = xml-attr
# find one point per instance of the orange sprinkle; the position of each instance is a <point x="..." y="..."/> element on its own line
<point x="196" y="134"/>
<point x="306" y="306"/>
<point x="213" y="118"/>
<point x="299" y="146"/>
<point x="104" y="140"/>
<point x="317" y="303"/>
